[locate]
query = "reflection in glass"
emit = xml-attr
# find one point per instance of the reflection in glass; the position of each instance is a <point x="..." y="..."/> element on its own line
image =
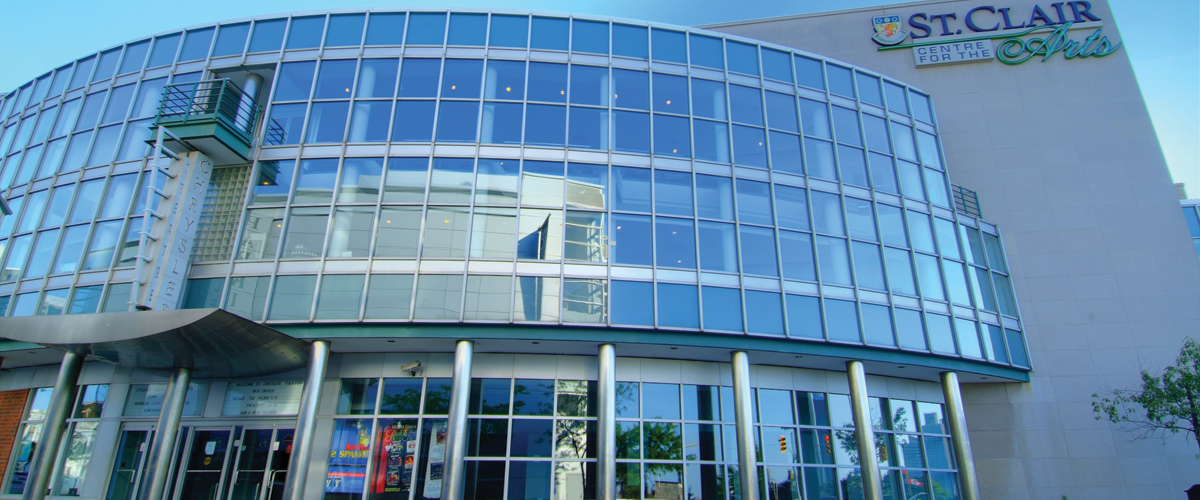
<point x="536" y="299"/>
<point x="247" y="296"/>
<point x="351" y="236"/>
<point x="539" y="235"/>
<point x="452" y="179"/>
<point x="406" y="178"/>
<point x="340" y="296"/>
<point x="632" y="303"/>
<point x="389" y="297"/>
<point x="496" y="182"/>
<point x="305" y="235"/>
<point x="260" y="234"/>
<point x="586" y="237"/>
<point x="292" y="298"/>
<point x="488" y="298"/>
<point x="439" y="296"/>
<point x="445" y="232"/>
<point x="678" y="306"/>
<point x="493" y="233"/>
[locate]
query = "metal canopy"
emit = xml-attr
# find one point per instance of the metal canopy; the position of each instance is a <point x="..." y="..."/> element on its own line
<point x="212" y="342"/>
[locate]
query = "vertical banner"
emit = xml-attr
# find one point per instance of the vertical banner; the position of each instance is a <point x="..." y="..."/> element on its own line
<point x="348" y="456"/>
<point x="394" y="453"/>
<point x="437" y="459"/>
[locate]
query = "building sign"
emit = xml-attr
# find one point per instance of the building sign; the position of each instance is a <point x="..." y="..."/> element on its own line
<point x="262" y="398"/>
<point x="955" y="52"/>
<point x="170" y="249"/>
<point x="146" y="400"/>
<point x="945" y="38"/>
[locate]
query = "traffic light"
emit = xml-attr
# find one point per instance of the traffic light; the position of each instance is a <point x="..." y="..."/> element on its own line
<point x="782" y="443"/>
<point x="828" y="445"/>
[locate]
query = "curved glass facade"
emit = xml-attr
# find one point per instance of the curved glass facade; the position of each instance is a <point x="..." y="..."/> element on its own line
<point x="512" y="168"/>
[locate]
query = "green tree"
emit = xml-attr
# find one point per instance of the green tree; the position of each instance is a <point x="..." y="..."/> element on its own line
<point x="1167" y="403"/>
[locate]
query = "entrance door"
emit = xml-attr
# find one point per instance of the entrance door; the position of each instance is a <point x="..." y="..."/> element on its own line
<point x="261" y="464"/>
<point x="127" y="468"/>
<point x="202" y="471"/>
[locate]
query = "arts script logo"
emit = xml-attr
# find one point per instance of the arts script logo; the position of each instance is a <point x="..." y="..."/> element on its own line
<point x="887" y="30"/>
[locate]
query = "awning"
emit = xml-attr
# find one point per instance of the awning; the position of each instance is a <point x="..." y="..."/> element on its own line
<point x="212" y="342"/>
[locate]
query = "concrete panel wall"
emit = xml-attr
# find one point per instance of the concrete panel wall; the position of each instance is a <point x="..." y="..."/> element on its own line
<point x="1065" y="159"/>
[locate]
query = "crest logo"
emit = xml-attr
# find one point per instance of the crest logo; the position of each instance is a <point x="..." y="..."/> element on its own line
<point x="887" y="30"/>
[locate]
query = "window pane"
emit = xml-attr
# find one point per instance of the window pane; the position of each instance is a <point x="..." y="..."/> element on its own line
<point x="202" y="293"/>
<point x="493" y="234"/>
<point x="941" y="340"/>
<point x="295" y="81"/>
<point x="675" y="243"/>
<point x="743" y="58"/>
<point x="764" y="312"/>
<point x="840" y="81"/>
<point x="399" y="231"/>
<point x="678" y="306"/>
<point x="902" y="139"/>
<point x="414" y="121"/>
<point x="935" y="184"/>
<point x="899" y="271"/>
<point x="797" y="251"/>
<point x="589" y="128"/>
<point x="268" y="35"/>
<point x="70" y="249"/>
<point x="630" y="41"/>
<point x="1016" y="347"/>
<point x="383" y="29"/>
<point x="389" y="297"/>
<point x="712" y="141"/>
<point x="274" y="182"/>
<point x="819" y="157"/>
<point x="344" y="30"/>
<point x="85" y="300"/>
<point x="458" y="121"/>
<point x="439" y="296"/>
<point x="247" y="297"/>
<point x="968" y="337"/>
<point x="632" y="303"/>
<point x="545" y="125"/>
<point x="758" y="251"/>
<point x="488" y="298"/>
<point x="631" y="240"/>
<point x="909" y="330"/>
<point x="586" y="237"/>
<point x="99" y="254"/>
<point x="536" y="299"/>
<point x="445" y="233"/>
<point x="292" y="298"/>
<point x="921" y="107"/>
<point x="496" y="182"/>
<point x="315" y="184"/>
<point x="549" y="33"/>
<point x="370" y="121"/>
<point x="833" y="261"/>
<point x="631" y="132"/>
<point x="340" y="296"/>
<point x="195" y="44"/>
<point x="260" y="234"/>
<point x="584" y="301"/>
<point x="669" y="46"/>
<point x="706" y="52"/>
<point x="883" y="175"/>
<point x="305" y="233"/>
<point x="509" y="31"/>
<point x="842" y="318"/>
<point x="501" y="123"/>
<point x="406" y="178"/>
<point x="749" y="146"/>
<point x="672" y="192"/>
<point x="548" y="82"/>
<point x="306" y="32"/>
<point x="930" y="277"/>
<point x="708" y="99"/>
<point x="877" y="325"/>
<point x="672" y="138"/>
<point x="377" y="78"/>
<point x="867" y="266"/>
<point x="542" y="184"/>
<point x="504" y="80"/>
<point x="540" y="235"/>
<point x="920" y="232"/>
<point x="589" y="36"/>
<point x="718" y="247"/>
<point x="231" y="39"/>
<point x="868" y="87"/>
<point x="671" y="94"/>
<point x="827" y="213"/>
<point x="351" y="236"/>
<point x="804" y="317"/>
<point x="461" y="78"/>
<point x="287" y="121"/>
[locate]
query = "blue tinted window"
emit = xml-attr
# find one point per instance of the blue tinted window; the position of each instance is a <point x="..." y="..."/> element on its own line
<point x="162" y="55"/>
<point x="743" y="58"/>
<point x="718" y="247"/>
<point x="793" y="207"/>
<point x="377" y="78"/>
<point x="631" y="189"/>
<point x="589" y="128"/>
<point x="968" y="337"/>
<point x="876" y="132"/>
<point x="781" y="112"/>
<point x="867" y="266"/>
<point x="287" y="120"/>
<point x="671" y="136"/>
<point x="796" y="249"/>
<point x="764" y="312"/>
<point x="785" y="153"/>
<point x="295" y="81"/>
<point x="419" y="77"/>
<point x="202" y="293"/>
<point x="631" y="132"/>
<point x="672" y="192"/>
<point x="921" y="107"/>
<point x="845" y="126"/>
<point x="630" y="41"/>
<point x="706" y="52"/>
<point x="670" y="46"/>
<point x="722" y="309"/>
<point x="833" y="261"/>
<point x="861" y="219"/>
<point x="827" y="213"/>
<point x="231" y="39"/>
<point x="852" y="165"/>
<point x="509" y="31"/>
<point x="754" y="202"/>
<point x="631" y="89"/>
<point x="712" y="141"/>
<point x="675" y="243"/>
<point x="504" y="80"/>
<point x="501" y="123"/>
<point x="877" y="325"/>
<point x="909" y="330"/>
<point x="549" y="33"/>
<point x="804" y="317"/>
<point x="345" y="30"/>
<point x="808" y="73"/>
<point x="370" y="121"/>
<point x="385" y="29"/>
<point x="631" y="240"/>
<point x="589" y="36"/>
<point x="545" y="125"/>
<point x="195" y="44"/>
<point x="671" y="94"/>
<point x="274" y="182"/>
<point x="708" y="99"/>
<point x="758" y="251"/>
<point x="457" y="121"/>
<point x="426" y="28"/>
<point x="1016" y="347"/>
<point x="868" y="89"/>
<point x="547" y="82"/>
<point x="336" y="79"/>
<point x="461" y="78"/>
<point x="749" y="146"/>
<point x="316" y="180"/>
<point x="135" y="57"/>
<point x="899" y="271"/>
<point x="840" y="81"/>
<point x="467" y="29"/>
<point x="895" y="98"/>
<point x="268" y="35"/>
<point x="714" y="197"/>
<point x="414" y="121"/>
<point x="632" y="303"/>
<point x="589" y="85"/>
<point x="746" y="104"/>
<point x="777" y="65"/>
<point x="678" y="306"/>
<point x="842" y="318"/>
<point x="815" y="116"/>
<point x="306" y="32"/>
<point x="941" y="339"/>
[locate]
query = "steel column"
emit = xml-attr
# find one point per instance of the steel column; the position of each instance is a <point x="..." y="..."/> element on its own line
<point x="864" y="435"/>
<point x="306" y="422"/>
<point x="454" y="470"/>
<point x="959" y="438"/>
<point x="61" y="401"/>
<point x="158" y="464"/>
<point x="743" y="411"/>
<point x="606" y="467"/>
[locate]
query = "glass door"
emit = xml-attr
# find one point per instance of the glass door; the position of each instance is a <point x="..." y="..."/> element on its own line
<point x="261" y="464"/>
<point x="127" y="468"/>
<point x="203" y="478"/>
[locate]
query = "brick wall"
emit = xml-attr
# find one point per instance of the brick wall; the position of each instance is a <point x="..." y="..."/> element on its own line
<point x="12" y="404"/>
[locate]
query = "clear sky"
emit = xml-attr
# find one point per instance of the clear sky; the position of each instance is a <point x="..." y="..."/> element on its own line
<point x="1162" y="39"/>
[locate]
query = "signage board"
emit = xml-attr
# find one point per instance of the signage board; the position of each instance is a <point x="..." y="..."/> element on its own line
<point x="262" y="398"/>
<point x="954" y="52"/>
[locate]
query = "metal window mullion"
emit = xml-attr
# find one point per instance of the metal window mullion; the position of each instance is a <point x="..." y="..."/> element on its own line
<point x="412" y="308"/>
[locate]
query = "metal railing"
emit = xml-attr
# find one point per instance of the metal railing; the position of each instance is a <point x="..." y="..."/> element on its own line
<point x="207" y="100"/>
<point x="966" y="202"/>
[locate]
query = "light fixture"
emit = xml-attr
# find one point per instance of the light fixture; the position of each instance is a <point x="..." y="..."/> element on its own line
<point x="508" y="89"/>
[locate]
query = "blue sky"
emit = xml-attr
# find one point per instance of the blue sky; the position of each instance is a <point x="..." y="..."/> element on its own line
<point x="1162" y="39"/>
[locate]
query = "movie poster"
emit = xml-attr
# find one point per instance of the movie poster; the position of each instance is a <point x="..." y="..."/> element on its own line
<point x="348" y="456"/>
<point x="437" y="459"/>
<point x="394" y="459"/>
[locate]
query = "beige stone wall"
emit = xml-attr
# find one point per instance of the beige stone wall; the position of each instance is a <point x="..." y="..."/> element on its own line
<point x="1065" y="159"/>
